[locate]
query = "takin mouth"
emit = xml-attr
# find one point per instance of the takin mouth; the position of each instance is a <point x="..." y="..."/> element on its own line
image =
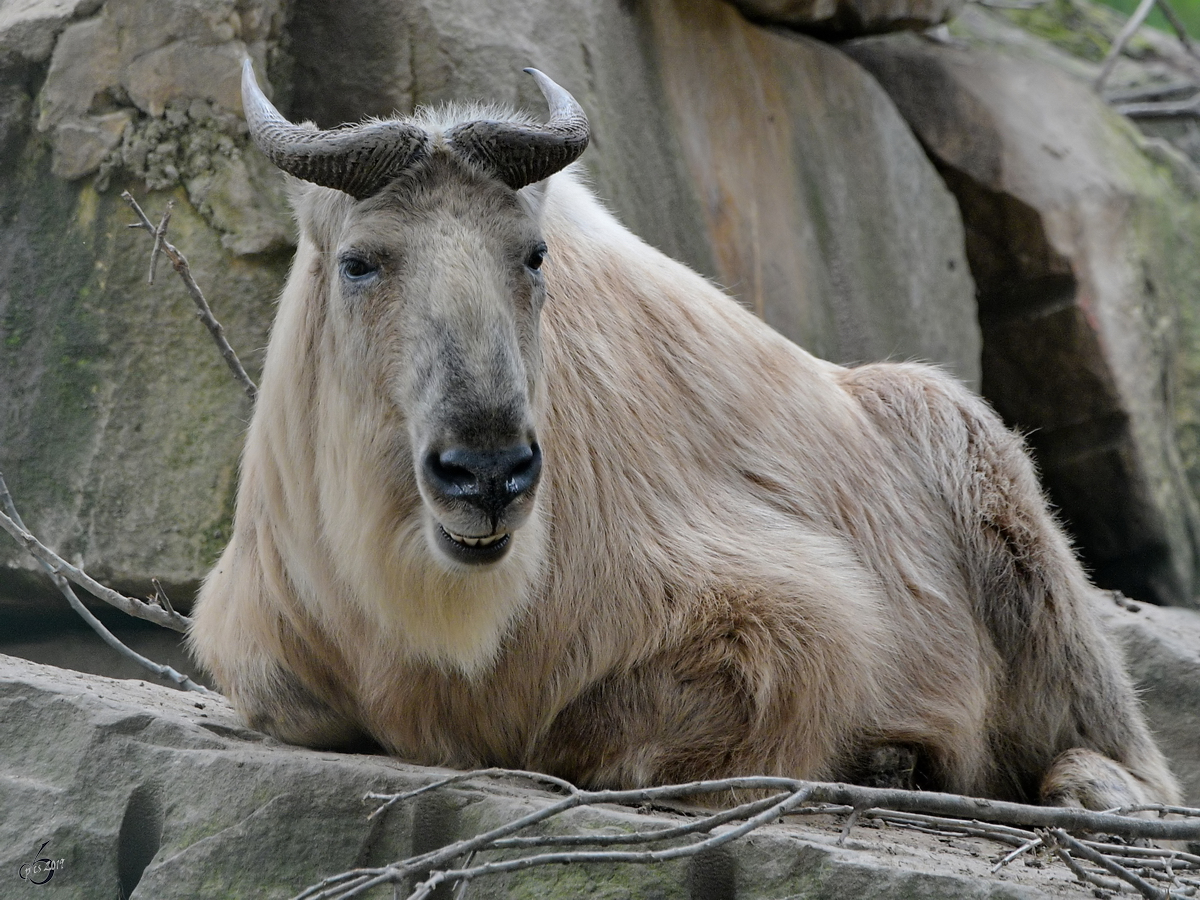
<point x="475" y="550"/>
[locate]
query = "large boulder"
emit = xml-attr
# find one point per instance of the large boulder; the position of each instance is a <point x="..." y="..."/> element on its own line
<point x="1162" y="650"/>
<point x="1083" y="238"/>
<point x="142" y="791"/>
<point x="851" y="18"/>
<point x="770" y="163"/>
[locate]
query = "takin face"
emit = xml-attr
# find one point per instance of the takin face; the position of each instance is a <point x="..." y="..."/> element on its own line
<point x="436" y="283"/>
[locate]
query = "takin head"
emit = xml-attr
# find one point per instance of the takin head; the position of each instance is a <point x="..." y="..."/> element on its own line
<point x="433" y="280"/>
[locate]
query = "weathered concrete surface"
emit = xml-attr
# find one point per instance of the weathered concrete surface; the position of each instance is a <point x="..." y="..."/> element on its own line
<point x="160" y="794"/>
<point x="851" y="18"/>
<point x="771" y="164"/>
<point x="1083" y="239"/>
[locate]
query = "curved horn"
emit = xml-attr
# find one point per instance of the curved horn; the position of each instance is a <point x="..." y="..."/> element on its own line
<point x="521" y="154"/>
<point x="359" y="159"/>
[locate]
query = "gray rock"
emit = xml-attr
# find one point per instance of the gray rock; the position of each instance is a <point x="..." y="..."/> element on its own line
<point x="162" y="794"/>
<point x="851" y="18"/>
<point x="28" y="28"/>
<point x="82" y="144"/>
<point x="1162" y="649"/>
<point x="1082" y="240"/>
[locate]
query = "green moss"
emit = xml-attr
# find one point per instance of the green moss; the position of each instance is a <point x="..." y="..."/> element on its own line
<point x="50" y="329"/>
<point x="216" y="534"/>
<point x="1080" y="28"/>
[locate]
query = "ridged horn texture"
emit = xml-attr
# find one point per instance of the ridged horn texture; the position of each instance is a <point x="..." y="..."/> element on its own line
<point x="521" y="154"/>
<point x="359" y="159"/>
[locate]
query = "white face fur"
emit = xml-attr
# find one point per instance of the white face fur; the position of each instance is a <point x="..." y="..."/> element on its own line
<point x="435" y="285"/>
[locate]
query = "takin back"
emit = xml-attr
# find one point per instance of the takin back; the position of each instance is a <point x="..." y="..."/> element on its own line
<point x="521" y="491"/>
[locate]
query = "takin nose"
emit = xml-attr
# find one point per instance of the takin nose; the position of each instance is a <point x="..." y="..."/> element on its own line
<point x="490" y="480"/>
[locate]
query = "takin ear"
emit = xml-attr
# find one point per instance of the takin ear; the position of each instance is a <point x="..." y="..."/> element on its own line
<point x="320" y="212"/>
<point x="533" y="196"/>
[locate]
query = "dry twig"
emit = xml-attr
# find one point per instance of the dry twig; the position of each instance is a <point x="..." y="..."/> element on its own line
<point x="180" y="263"/>
<point x="1163" y="109"/>
<point x="1066" y="842"/>
<point x="96" y="625"/>
<point x="1135" y="22"/>
<point x="56" y="565"/>
<point x="1177" y="25"/>
<point x="940" y="813"/>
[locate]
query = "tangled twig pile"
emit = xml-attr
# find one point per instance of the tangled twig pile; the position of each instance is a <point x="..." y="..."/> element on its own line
<point x="1109" y="864"/>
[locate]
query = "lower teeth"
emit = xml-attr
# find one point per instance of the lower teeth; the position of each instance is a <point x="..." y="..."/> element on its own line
<point x="476" y="542"/>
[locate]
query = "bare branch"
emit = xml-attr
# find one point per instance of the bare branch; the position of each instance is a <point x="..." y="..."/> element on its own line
<point x="1174" y="90"/>
<point x="1080" y="849"/>
<point x="180" y="263"/>
<point x="938" y="813"/>
<point x="1176" y="23"/>
<point x="1163" y="109"/>
<point x="1024" y="848"/>
<point x="96" y="625"/>
<point x="160" y="234"/>
<point x="1011" y="4"/>
<point x="1135" y="22"/>
<point x="56" y="565"/>
<point x="1108" y="884"/>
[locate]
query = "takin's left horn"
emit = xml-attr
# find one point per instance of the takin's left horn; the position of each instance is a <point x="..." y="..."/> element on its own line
<point x="359" y="159"/>
<point x="521" y="154"/>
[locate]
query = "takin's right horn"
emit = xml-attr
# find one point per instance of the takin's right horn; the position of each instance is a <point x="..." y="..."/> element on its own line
<point x="358" y="159"/>
<point x="520" y="154"/>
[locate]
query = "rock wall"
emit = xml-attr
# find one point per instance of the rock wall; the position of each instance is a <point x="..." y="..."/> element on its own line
<point x="769" y="162"/>
<point x="1082" y="236"/>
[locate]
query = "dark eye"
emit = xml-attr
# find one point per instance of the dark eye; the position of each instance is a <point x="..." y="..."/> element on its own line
<point x="357" y="269"/>
<point x="536" y="256"/>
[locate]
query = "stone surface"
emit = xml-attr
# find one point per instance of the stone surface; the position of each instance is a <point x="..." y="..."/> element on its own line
<point x="851" y="18"/>
<point x="121" y="423"/>
<point x="770" y="163"/>
<point x="84" y="143"/>
<point x="160" y="794"/>
<point x="1082" y="238"/>
<point x="1162" y="649"/>
<point x="28" y="28"/>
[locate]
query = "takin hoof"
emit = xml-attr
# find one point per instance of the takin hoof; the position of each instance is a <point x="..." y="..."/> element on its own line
<point x="1091" y="780"/>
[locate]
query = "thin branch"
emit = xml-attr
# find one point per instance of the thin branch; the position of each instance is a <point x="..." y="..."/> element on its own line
<point x="1144" y="887"/>
<point x="1176" y="23"/>
<point x="160" y="234"/>
<point x="941" y="813"/>
<point x="700" y="826"/>
<point x="1024" y="848"/>
<point x="1012" y="4"/>
<point x="1135" y="22"/>
<point x="775" y="812"/>
<point x="96" y="625"/>
<point x="883" y="799"/>
<point x="56" y="565"/>
<point x="1163" y="109"/>
<point x="1108" y="884"/>
<point x="180" y="263"/>
<point x="1174" y="90"/>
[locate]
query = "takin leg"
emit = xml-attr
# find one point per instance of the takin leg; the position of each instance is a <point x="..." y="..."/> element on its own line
<point x="1065" y="725"/>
